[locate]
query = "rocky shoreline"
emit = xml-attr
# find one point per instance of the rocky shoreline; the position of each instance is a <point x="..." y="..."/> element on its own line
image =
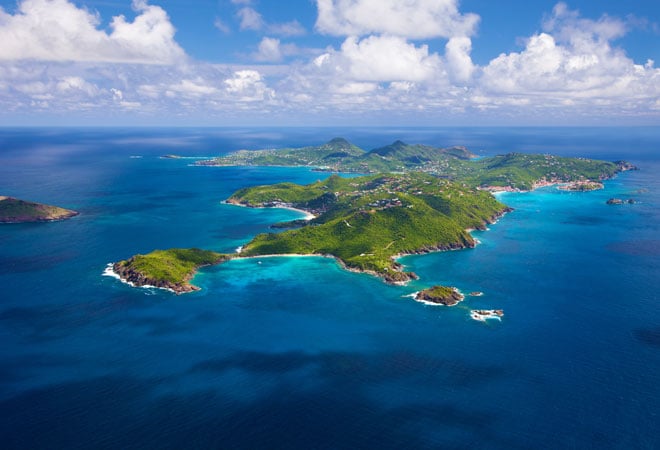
<point x="135" y="278"/>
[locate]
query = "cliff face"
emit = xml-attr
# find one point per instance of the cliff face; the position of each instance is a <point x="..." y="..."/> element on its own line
<point x="13" y="210"/>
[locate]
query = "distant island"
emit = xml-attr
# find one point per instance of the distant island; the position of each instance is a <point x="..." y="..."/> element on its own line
<point x="414" y="199"/>
<point x="510" y="172"/>
<point x="13" y="210"/>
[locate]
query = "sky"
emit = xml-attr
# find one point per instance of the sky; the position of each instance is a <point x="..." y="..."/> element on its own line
<point x="329" y="62"/>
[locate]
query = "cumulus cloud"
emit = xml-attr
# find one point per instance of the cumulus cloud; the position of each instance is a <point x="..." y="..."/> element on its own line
<point x="388" y="58"/>
<point x="574" y="58"/>
<point x="57" y="30"/>
<point x="380" y="58"/>
<point x="248" y="86"/>
<point x="571" y="67"/>
<point x="458" y="58"/>
<point x="415" y="19"/>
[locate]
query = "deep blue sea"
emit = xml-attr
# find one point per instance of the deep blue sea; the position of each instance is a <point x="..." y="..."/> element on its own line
<point x="296" y="352"/>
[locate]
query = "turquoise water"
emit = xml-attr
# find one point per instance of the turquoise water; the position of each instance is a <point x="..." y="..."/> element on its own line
<point x="298" y="353"/>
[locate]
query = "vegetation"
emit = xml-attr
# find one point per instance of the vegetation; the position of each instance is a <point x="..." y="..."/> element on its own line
<point x="365" y="222"/>
<point x="171" y="269"/>
<point x="13" y="210"/>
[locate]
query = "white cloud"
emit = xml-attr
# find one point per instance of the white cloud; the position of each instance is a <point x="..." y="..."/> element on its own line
<point x="415" y="19"/>
<point x="458" y="58"/>
<point x="191" y="88"/>
<point x="383" y="58"/>
<point x="248" y="86"/>
<point x="569" y="69"/>
<point x="293" y="28"/>
<point x="567" y="26"/>
<point x="273" y="50"/>
<point x="572" y="66"/>
<point x="250" y="19"/>
<point x="57" y="30"/>
<point x="269" y="50"/>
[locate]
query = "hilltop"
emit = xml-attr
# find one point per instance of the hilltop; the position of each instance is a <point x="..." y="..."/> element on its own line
<point x="13" y="210"/>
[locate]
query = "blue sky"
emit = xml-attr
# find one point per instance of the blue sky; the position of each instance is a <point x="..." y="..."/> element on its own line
<point x="329" y="62"/>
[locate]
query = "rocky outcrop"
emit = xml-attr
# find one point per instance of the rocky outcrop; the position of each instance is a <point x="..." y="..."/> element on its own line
<point x="625" y="165"/>
<point x="619" y="201"/>
<point x="440" y="295"/>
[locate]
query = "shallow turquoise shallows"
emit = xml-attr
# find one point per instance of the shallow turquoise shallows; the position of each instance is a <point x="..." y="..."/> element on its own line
<point x="294" y="352"/>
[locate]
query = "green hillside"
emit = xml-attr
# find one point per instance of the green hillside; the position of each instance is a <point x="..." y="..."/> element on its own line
<point x="365" y="222"/>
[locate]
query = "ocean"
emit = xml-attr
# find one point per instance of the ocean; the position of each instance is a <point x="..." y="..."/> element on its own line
<point x="294" y="352"/>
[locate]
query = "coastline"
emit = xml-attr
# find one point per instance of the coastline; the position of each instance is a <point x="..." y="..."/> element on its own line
<point x="398" y="278"/>
<point x="308" y="215"/>
<point x="110" y="272"/>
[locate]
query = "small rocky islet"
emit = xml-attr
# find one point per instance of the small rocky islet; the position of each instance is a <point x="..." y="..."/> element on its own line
<point x="14" y="210"/>
<point x="620" y="201"/>
<point x="440" y="295"/>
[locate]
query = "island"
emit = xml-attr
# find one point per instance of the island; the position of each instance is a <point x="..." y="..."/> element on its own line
<point x="440" y="295"/>
<point x="13" y="210"/>
<point x="508" y="172"/>
<point x="410" y="199"/>
<point x="166" y="269"/>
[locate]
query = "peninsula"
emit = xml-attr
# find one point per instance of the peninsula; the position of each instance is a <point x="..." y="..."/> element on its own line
<point x="412" y="199"/>
<point x="13" y="210"/>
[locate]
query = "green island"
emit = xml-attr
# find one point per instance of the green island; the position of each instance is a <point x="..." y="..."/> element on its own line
<point x="440" y="295"/>
<point x="168" y="269"/>
<point x="512" y="171"/>
<point x="411" y="199"/>
<point x="13" y="210"/>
